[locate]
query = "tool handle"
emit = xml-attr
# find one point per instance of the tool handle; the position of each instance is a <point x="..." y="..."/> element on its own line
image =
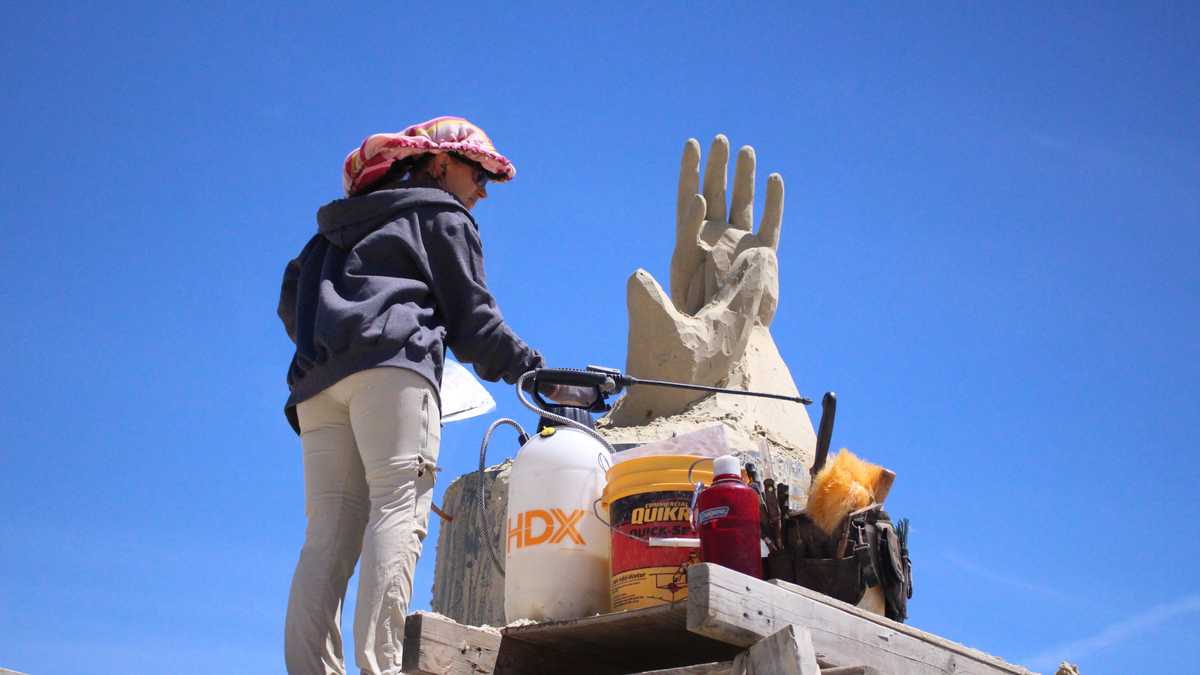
<point x="675" y="542"/>
<point x="824" y="431"/>
<point x="570" y="376"/>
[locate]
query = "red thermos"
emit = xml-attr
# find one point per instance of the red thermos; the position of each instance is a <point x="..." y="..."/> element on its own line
<point x="727" y="519"/>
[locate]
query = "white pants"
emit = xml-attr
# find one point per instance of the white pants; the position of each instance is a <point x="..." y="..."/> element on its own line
<point x="370" y="447"/>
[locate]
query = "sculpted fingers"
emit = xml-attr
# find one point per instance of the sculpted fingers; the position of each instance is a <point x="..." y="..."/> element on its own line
<point x="772" y="220"/>
<point x="689" y="180"/>
<point x="741" y="207"/>
<point x="715" y="171"/>
<point x="688" y="256"/>
<point x="694" y="220"/>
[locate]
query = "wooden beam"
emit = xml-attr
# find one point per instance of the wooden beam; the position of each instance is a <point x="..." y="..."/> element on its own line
<point x="437" y="645"/>
<point x="788" y="652"/>
<point x="740" y="610"/>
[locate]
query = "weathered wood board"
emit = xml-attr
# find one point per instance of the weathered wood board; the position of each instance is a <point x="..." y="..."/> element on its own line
<point x="467" y="585"/>
<point x="734" y="608"/>
<point x="437" y="645"/>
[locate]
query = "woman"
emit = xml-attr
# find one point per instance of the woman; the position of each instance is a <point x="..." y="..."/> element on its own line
<point x="393" y="276"/>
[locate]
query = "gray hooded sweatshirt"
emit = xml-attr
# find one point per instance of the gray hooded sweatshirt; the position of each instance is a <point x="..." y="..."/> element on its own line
<point x="391" y="279"/>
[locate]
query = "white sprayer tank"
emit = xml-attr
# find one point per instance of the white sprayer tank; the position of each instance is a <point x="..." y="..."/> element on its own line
<point x="556" y="562"/>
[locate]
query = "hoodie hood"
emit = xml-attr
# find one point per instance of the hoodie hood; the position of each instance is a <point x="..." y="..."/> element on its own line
<point x="344" y="222"/>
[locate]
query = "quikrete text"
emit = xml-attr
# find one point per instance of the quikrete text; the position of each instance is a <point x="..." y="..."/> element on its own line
<point x="654" y="513"/>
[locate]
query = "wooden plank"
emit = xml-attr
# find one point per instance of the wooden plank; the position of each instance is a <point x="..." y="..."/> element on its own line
<point x="789" y="651"/>
<point x="721" y="668"/>
<point x="520" y="658"/>
<point x="732" y="607"/>
<point x="621" y="642"/>
<point x="437" y="645"/>
<point x="726" y="668"/>
<point x="887" y="623"/>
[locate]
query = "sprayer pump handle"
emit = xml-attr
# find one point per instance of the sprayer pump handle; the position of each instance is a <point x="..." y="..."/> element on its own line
<point x="571" y="376"/>
<point x="598" y="382"/>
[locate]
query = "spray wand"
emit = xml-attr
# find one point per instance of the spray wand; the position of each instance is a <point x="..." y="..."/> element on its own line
<point x="610" y="381"/>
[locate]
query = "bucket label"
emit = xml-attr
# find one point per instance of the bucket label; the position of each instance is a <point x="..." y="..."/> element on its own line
<point x="545" y="526"/>
<point x="644" y="575"/>
<point x="713" y="513"/>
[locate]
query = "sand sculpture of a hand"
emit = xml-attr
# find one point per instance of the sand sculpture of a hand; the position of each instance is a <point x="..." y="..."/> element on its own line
<point x="724" y="283"/>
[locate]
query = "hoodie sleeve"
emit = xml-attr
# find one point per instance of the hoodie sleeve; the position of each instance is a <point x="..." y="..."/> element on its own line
<point x="289" y="289"/>
<point x="287" y="298"/>
<point x="475" y="329"/>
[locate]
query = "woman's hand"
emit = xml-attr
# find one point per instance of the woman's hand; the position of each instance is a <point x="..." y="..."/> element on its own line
<point x="568" y="394"/>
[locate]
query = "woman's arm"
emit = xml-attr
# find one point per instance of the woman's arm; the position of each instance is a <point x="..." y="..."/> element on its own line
<point x="475" y="328"/>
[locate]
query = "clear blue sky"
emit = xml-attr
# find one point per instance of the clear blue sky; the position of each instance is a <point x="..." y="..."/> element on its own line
<point x="990" y="251"/>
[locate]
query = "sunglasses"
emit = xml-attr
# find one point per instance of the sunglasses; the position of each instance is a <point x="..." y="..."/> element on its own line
<point x="481" y="174"/>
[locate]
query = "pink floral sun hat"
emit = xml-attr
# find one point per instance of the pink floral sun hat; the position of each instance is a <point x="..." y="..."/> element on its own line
<point x="369" y="162"/>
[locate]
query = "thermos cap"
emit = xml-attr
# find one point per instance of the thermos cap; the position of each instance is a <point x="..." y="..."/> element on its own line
<point x="726" y="464"/>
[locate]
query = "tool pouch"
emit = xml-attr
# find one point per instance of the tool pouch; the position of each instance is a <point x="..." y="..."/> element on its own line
<point x="869" y="553"/>
<point x="897" y="568"/>
<point x="837" y="578"/>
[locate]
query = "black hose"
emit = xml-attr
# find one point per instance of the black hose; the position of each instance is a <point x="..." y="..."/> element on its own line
<point x="485" y="529"/>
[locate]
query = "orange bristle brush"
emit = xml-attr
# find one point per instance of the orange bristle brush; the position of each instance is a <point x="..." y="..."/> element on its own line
<point x="843" y="486"/>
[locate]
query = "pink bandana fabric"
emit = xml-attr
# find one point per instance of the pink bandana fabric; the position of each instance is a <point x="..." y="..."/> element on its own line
<point x="370" y="161"/>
